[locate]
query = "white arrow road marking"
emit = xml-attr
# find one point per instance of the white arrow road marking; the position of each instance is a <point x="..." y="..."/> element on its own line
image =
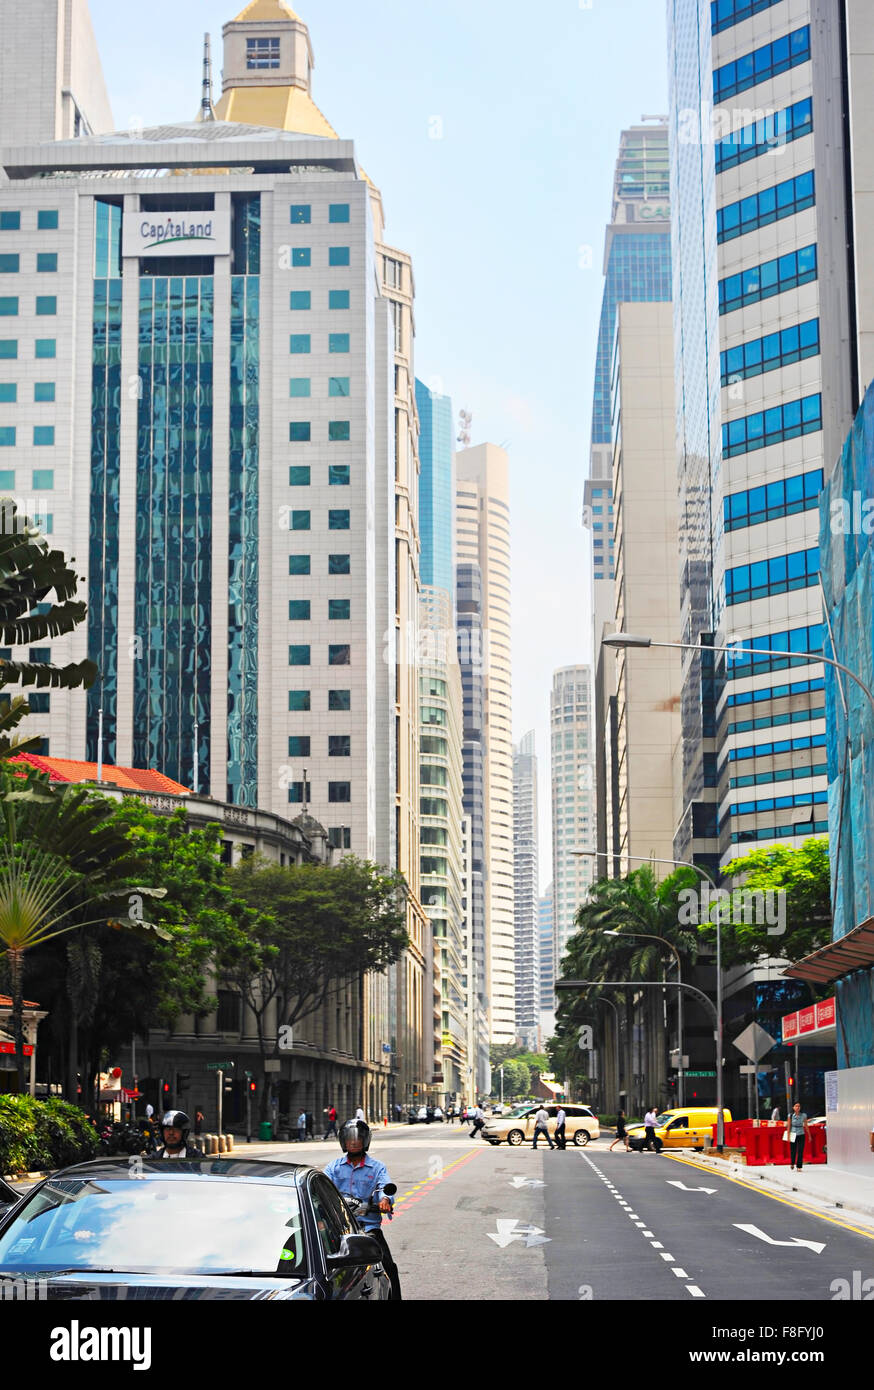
<point x="526" y="1182"/>
<point x="508" y="1231"/>
<point x="673" y="1182"/>
<point x="816" y="1246"/>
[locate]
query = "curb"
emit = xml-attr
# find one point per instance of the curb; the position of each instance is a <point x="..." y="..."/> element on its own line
<point x="828" y="1199"/>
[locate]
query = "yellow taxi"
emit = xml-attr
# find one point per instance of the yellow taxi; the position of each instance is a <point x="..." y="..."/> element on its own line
<point x="684" y="1128"/>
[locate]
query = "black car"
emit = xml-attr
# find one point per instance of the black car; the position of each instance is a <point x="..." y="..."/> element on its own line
<point x="207" y="1228"/>
<point x="8" y="1197"/>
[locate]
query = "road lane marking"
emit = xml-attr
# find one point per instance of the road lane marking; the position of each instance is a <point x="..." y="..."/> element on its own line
<point x="816" y="1246"/>
<point x="656" y="1245"/>
<point x="680" y="1273"/>
<point x="666" y="1256"/>
<point x="695" y="1291"/>
<point x="673" y="1182"/>
<point x="418" y="1190"/>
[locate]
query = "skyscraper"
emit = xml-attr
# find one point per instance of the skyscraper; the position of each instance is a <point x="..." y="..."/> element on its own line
<point x="525" y="896"/>
<point x="472" y="661"/>
<point x="51" y="79"/>
<point x="436" y="489"/>
<point x="772" y="273"/>
<point x="483" y="540"/>
<point x="573" y="798"/>
<point x="545" y="917"/>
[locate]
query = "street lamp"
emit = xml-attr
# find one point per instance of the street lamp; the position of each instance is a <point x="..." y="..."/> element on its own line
<point x="650" y="936"/>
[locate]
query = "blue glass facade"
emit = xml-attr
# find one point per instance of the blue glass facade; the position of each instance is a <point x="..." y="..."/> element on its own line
<point x="847" y="554"/>
<point x="638" y="271"/>
<point x="436" y="489"/>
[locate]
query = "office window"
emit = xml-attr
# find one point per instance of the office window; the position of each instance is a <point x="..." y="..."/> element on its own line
<point x="765" y="280"/>
<point x="338" y="431"/>
<point x="298" y="564"/>
<point x="300" y="521"/>
<point x="338" y="385"/>
<point x="301" y="212"/>
<point x="47" y="261"/>
<point x="779" y="575"/>
<point x="7" y="436"/>
<point x="39" y="702"/>
<point x="299" y="342"/>
<point x="299" y="386"/>
<point x="40" y="656"/>
<point x="298" y="610"/>
<point x="8" y="306"/>
<point x="43" y="434"/>
<point x="47" y="220"/>
<point x="340" y="837"/>
<point x="298" y="656"/>
<point x="761" y="64"/>
<point x="298" y="746"/>
<point x="8" y="349"/>
<point x="299" y="475"/>
<point x="770" y="205"/>
<point x="338" y="474"/>
<point x="338" y="520"/>
<point x="771" y="132"/>
<point x="7" y="485"/>
<point x="10" y="221"/>
<point x="338" y="255"/>
<point x="338" y="299"/>
<point x="339" y="608"/>
<point x="262" y="53"/>
<point x="298" y="793"/>
<point x="8" y="393"/>
<point x="768" y="353"/>
<point x="46" y="347"/>
<point x="339" y="791"/>
<point x="783" y="497"/>
<point x="299" y="432"/>
<point x="339" y="564"/>
<point x="44" y="391"/>
<point x="338" y="342"/>
<point x="338" y="212"/>
<point x="339" y="655"/>
<point x="9" y="264"/>
<point x="339" y="701"/>
<point x="301" y="256"/>
<point x="300" y="299"/>
<point x="339" y="746"/>
<point x="298" y="701"/>
<point x="725" y="13"/>
<point x="772" y="426"/>
<point x="393" y="272"/>
<point x="748" y="658"/>
<point x="46" y="304"/>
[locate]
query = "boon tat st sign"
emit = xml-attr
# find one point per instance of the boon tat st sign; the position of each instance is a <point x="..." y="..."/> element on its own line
<point x="176" y="234"/>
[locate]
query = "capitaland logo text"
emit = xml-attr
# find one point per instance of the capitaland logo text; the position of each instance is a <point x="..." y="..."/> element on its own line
<point x="76" y="1343"/>
<point x="156" y="233"/>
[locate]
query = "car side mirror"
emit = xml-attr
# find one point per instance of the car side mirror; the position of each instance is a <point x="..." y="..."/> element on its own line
<point x="357" y="1249"/>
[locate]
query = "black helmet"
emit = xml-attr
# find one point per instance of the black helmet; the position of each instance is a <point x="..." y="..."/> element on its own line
<point x="176" y="1119"/>
<point x="354" y="1129"/>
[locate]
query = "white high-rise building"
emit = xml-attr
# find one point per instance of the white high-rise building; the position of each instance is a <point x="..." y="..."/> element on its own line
<point x="525" y="871"/>
<point x="572" y="776"/>
<point x="51" y="80"/>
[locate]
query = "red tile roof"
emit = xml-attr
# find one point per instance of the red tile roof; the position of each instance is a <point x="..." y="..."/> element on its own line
<point x="132" y="778"/>
<point x="6" y="1002"/>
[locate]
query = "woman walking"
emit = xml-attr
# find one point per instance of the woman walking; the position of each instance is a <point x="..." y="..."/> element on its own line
<point x="798" y="1131"/>
<point x="621" y="1132"/>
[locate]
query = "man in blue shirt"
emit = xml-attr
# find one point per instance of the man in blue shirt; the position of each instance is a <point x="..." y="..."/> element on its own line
<point x="358" y="1176"/>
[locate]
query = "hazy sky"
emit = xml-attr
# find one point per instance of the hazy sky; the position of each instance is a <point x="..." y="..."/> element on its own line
<point x="491" y="128"/>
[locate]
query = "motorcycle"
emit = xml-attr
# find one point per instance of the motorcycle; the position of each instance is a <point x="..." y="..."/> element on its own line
<point x="118" y="1139"/>
<point x="369" y="1206"/>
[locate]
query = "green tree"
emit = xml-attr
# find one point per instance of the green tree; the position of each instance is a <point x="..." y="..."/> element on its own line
<point x="37" y="601"/>
<point x="801" y="878"/>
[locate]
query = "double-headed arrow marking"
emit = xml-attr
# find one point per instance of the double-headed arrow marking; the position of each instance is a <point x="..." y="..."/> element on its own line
<point x="816" y="1246"/>
<point x="526" y="1182"/>
<point x="508" y="1231"/>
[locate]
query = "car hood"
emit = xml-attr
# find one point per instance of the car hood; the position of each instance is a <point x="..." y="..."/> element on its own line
<point x="97" y="1288"/>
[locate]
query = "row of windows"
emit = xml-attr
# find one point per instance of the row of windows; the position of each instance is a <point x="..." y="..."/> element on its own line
<point x="767" y="206"/>
<point x="772" y="426"/>
<point x="46" y="221"/>
<point x="43" y="347"/>
<point x="42" y="479"/>
<point x="338" y="520"/>
<point x="337" y="791"/>
<point x="774" y="721"/>
<point x="10" y="262"/>
<point x="299" y="475"/>
<point x="766" y="750"/>
<point x="781" y="574"/>
<point x="771" y="277"/>
<point x="769" y="61"/>
<point x="300" y="609"/>
<point x="337" y="256"/>
<point x="778" y="803"/>
<point x="46" y="305"/>
<point x="339" y="746"/>
<point x="783" y="774"/>
<point x="301" y="386"/>
<point x="36" y="655"/>
<point x="300" y="431"/>
<point x="337" y="564"/>
<point x="300" y="701"/>
<point x="42" y="391"/>
<point x="779" y="832"/>
<point x="771" y="132"/>
<point x="773" y="692"/>
<point x="770" y="352"/>
<point x="302" y="213"/>
<point x="726" y="13"/>
<point x="42" y="434"/>
<point x="784" y="497"/>
<point x="338" y="655"/>
<point x="749" y="657"/>
<point x="302" y="342"/>
<point x="301" y="300"/>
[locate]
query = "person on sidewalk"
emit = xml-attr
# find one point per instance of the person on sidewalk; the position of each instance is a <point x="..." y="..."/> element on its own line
<point x="649" y="1121"/>
<point x="478" y="1115"/>
<point x="560" y="1121"/>
<point x="541" y="1126"/>
<point x="302" y="1127"/>
<point x="799" y="1130"/>
<point x="775" y="1114"/>
<point x="332" y="1122"/>
<point x="621" y="1132"/>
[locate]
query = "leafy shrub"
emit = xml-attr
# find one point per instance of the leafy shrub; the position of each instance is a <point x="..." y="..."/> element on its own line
<point x="43" y="1134"/>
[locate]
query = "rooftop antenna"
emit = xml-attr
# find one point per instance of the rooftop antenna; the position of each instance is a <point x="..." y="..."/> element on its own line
<point x="207" y="110"/>
<point x="465" y="422"/>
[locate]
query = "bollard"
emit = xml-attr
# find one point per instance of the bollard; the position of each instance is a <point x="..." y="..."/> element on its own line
<point x="230" y="1143"/>
<point x="222" y="1144"/>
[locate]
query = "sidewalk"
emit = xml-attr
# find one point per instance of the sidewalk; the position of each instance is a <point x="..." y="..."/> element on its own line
<point x="817" y="1185"/>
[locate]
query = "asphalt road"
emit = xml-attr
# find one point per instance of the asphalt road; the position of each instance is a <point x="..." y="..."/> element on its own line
<point x="484" y="1223"/>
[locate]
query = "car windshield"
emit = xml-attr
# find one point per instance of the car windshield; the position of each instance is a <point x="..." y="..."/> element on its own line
<point x="664" y="1119"/>
<point x="154" y="1225"/>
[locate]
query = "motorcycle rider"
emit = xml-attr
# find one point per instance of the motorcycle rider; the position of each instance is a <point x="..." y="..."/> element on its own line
<point x="358" y="1175"/>
<point x="175" y="1126"/>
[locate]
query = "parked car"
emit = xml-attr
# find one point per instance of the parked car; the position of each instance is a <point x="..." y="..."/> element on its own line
<point x="581" y="1124"/>
<point x="683" y="1128"/>
<point x="8" y="1197"/>
<point x="199" y="1229"/>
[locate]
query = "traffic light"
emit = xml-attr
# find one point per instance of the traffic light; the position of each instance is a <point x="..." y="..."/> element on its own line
<point x="229" y="1083"/>
<point x="166" y="1089"/>
<point x="253" y="1086"/>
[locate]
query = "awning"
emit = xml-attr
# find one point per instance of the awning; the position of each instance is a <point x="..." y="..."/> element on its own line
<point x="854" y="951"/>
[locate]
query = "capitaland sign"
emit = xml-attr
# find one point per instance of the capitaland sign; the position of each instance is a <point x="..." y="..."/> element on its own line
<point x="176" y="234"/>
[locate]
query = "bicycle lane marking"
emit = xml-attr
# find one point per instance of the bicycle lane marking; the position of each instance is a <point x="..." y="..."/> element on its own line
<point x="420" y="1189"/>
